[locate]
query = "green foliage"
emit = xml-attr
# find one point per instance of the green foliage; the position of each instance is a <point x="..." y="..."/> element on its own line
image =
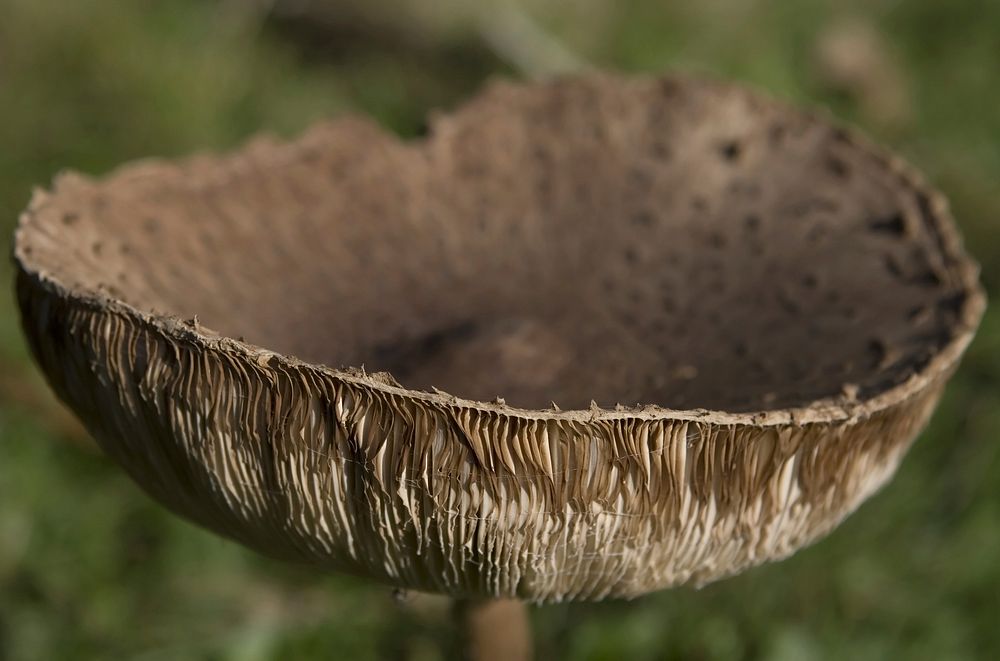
<point x="90" y="568"/>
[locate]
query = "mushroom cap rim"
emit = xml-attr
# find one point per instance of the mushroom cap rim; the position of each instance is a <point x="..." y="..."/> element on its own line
<point x="828" y="410"/>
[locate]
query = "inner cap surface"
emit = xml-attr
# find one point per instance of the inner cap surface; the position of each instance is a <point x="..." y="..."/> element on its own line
<point x="645" y="241"/>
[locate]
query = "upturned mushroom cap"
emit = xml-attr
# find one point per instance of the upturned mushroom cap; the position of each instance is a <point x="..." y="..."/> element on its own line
<point x="764" y="307"/>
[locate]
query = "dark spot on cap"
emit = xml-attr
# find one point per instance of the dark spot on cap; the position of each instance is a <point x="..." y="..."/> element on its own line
<point x="893" y="225"/>
<point x="730" y="150"/>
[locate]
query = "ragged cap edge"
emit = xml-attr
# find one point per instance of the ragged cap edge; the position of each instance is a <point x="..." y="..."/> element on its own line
<point x="828" y="410"/>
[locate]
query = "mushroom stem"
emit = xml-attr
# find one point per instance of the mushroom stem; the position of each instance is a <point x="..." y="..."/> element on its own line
<point x="493" y="629"/>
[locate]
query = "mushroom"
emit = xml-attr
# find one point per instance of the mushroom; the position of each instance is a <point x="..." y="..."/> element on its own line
<point x="589" y="338"/>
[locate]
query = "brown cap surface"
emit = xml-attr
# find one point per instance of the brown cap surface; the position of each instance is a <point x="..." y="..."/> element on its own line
<point x="765" y="306"/>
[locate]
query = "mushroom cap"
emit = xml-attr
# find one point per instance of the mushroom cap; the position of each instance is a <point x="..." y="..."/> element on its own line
<point x="745" y="313"/>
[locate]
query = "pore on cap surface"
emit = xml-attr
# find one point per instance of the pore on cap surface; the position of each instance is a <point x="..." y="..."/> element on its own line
<point x="778" y="301"/>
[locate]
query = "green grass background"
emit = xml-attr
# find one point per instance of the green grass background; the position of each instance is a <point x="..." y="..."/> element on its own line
<point x="91" y="569"/>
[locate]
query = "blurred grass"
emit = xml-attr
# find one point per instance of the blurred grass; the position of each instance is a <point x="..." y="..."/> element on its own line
<point x="90" y="568"/>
